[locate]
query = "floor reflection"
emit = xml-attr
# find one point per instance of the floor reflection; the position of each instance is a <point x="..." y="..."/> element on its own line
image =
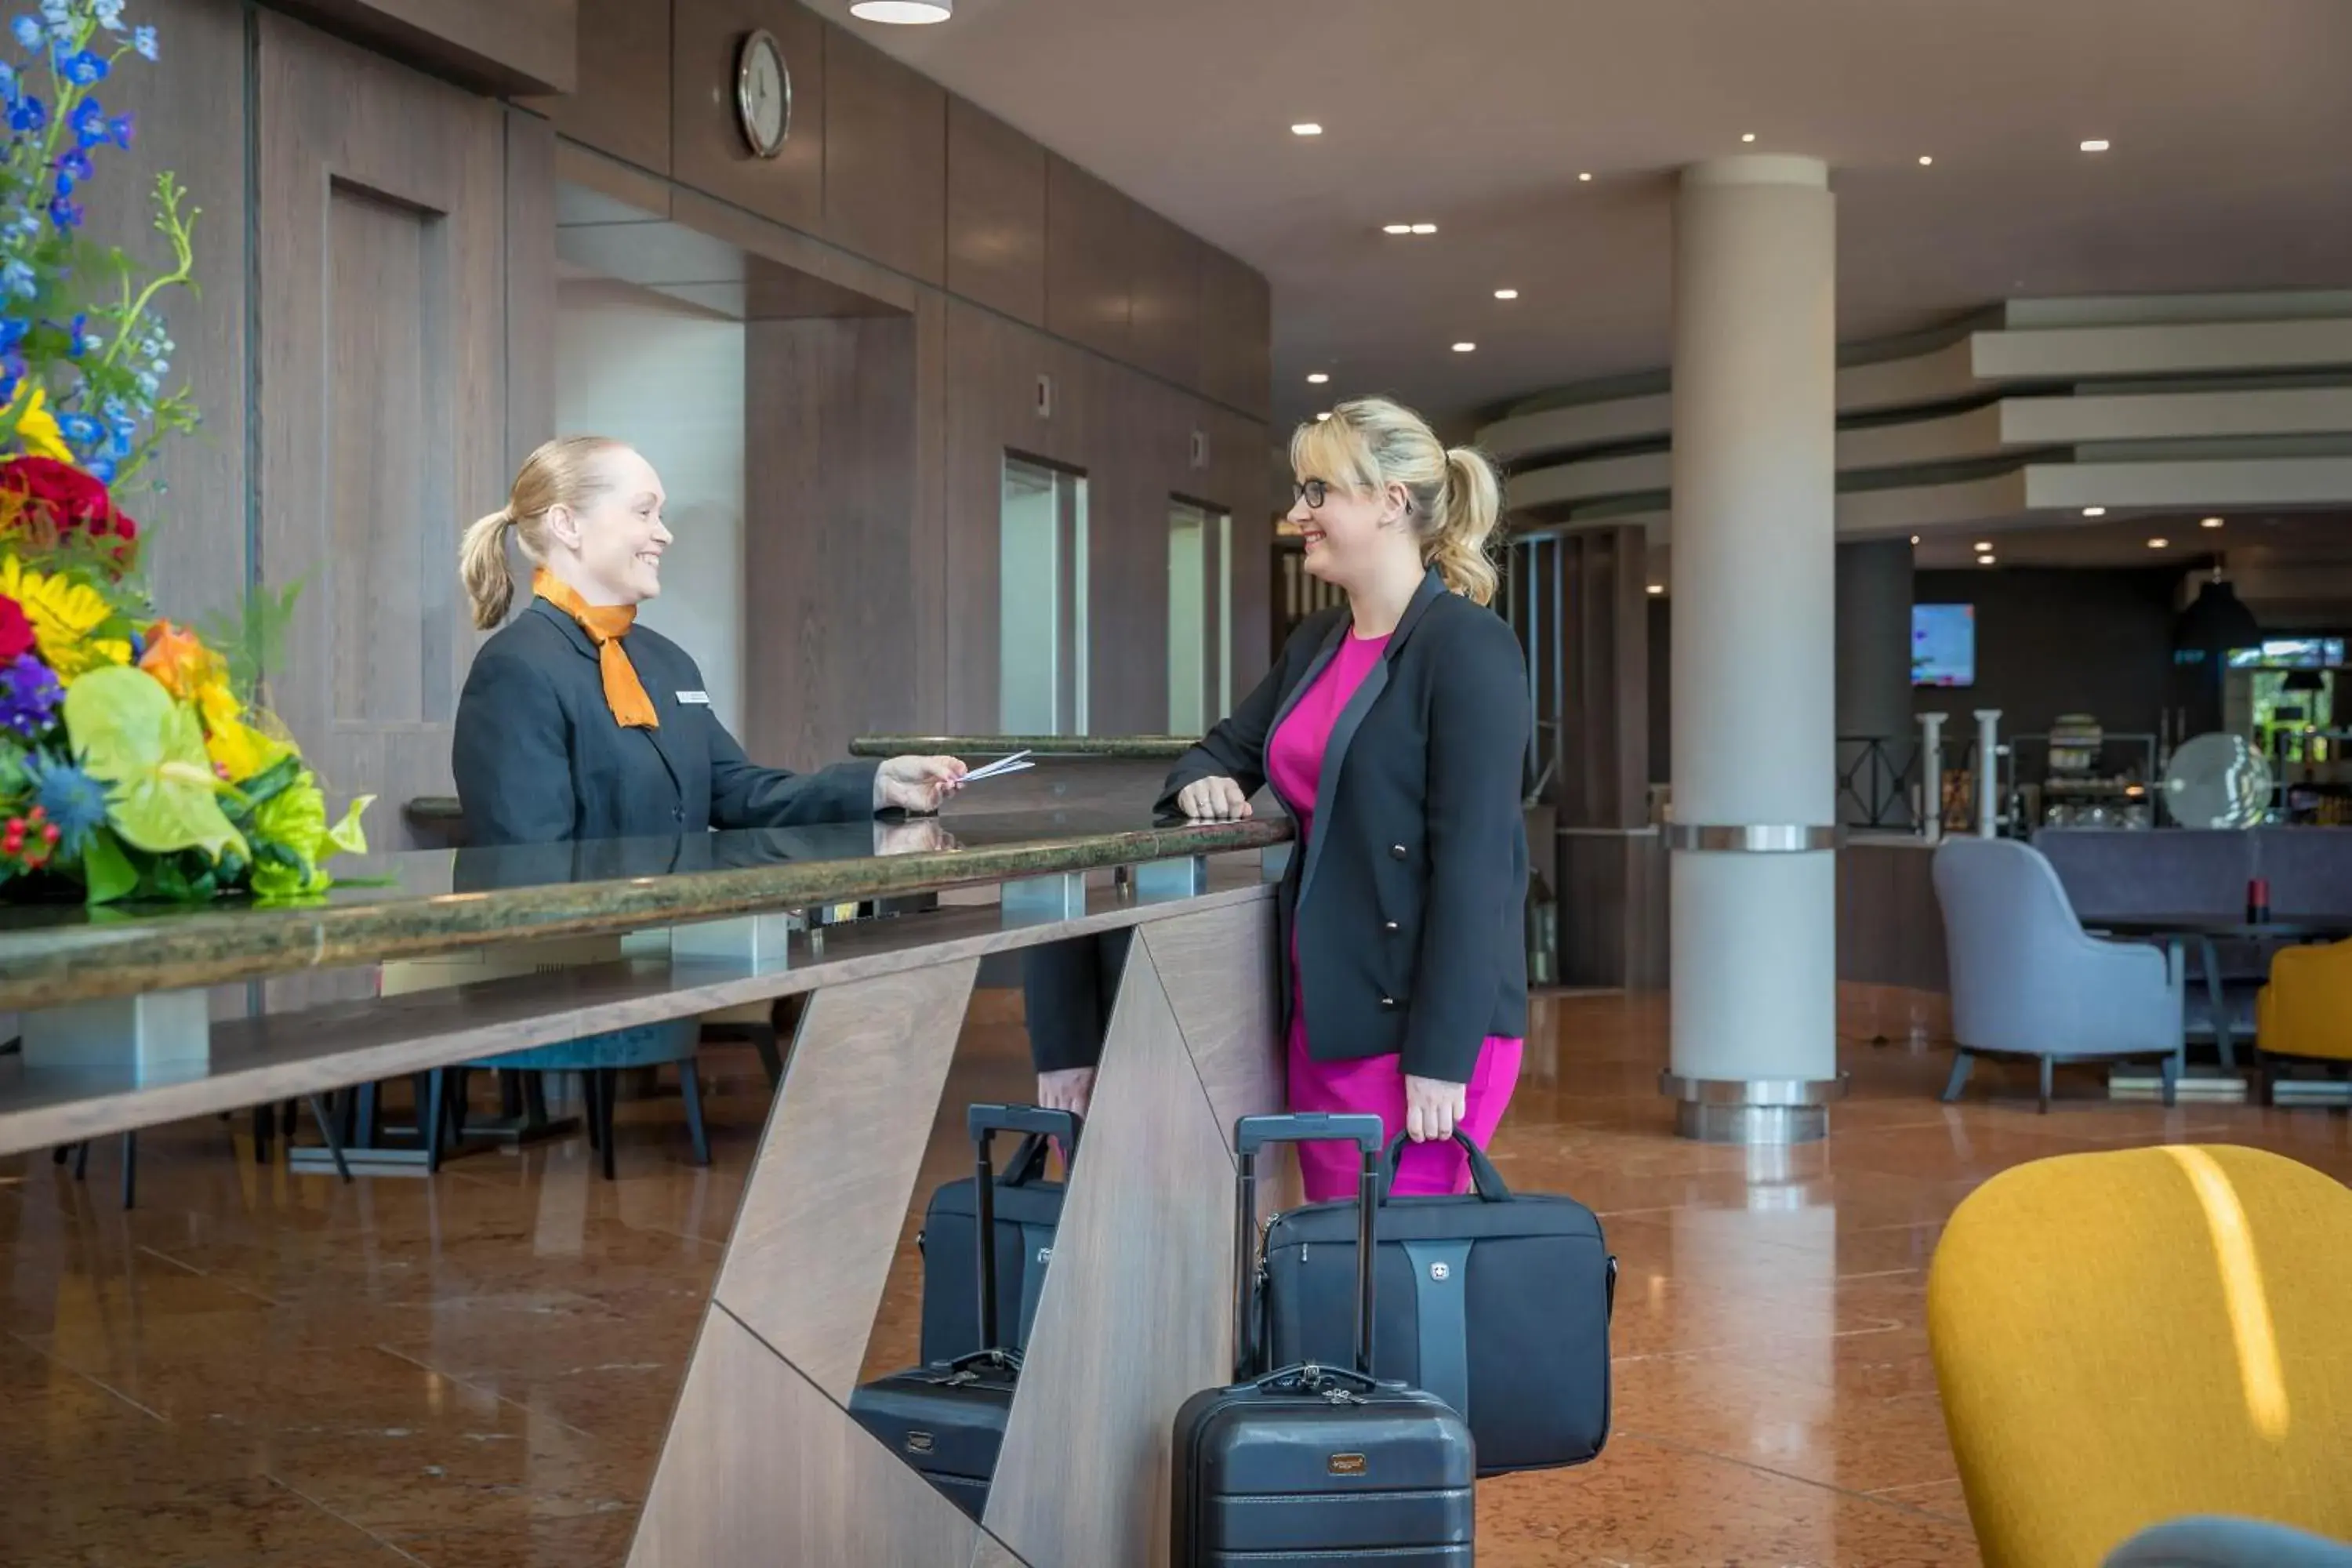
<point x="255" y="1368"/>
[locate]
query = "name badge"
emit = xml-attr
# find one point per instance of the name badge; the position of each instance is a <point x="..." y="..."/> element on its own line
<point x="695" y="698"/>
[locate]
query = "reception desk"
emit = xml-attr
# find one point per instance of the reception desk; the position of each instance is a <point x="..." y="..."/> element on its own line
<point x="761" y="1462"/>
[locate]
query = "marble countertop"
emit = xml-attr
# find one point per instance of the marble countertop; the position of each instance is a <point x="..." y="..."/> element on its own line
<point x="442" y="900"/>
<point x="980" y="748"/>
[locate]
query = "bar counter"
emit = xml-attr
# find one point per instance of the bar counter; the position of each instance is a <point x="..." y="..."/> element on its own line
<point x="762" y="1461"/>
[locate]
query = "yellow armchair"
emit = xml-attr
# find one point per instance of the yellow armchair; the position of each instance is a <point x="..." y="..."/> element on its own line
<point x="2305" y="1011"/>
<point x="2123" y="1339"/>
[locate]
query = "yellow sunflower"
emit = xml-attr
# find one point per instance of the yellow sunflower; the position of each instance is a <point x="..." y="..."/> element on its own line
<point x="64" y="616"/>
<point x="36" y="427"/>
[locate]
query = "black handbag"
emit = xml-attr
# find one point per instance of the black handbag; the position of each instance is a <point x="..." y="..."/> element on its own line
<point x="1497" y="1303"/>
<point x="1318" y="1466"/>
<point x="946" y="1418"/>
<point x="1027" y="1209"/>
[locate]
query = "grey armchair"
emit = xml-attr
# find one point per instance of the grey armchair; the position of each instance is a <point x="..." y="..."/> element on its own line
<point x="2028" y="980"/>
<point x="2229" y="1543"/>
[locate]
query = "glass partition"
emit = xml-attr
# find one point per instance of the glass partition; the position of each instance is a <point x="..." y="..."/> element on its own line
<point x="1042" y="601"/>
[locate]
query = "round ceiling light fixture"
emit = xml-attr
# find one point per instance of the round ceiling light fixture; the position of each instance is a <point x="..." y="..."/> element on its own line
<point x="902" y="13"/>
<point x="2097" y="146"/>
<point x="1307" y="127"/>
<point x="1317" y="378"/>
<point x="2094" y="512"/>
<point x="2211" y="522"/>
<point x="1506" y="293"/>
<point x="1465" y="348"/>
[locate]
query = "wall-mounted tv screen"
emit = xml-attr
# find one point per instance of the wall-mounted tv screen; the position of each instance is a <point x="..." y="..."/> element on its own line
<point x="2289" y="653"/>
<point x="1943" y="645"/>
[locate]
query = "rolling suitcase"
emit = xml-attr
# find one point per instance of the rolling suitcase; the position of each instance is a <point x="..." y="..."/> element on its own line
<point x="1028" y="1208"/>
<point x="1315" y="1467"/>
<point x="946" y="1418"/>
<point x="1497" y="1302"/>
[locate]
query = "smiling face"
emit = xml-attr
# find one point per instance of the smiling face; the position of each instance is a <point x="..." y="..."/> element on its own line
<point x="1350" y="526"/>
<point x="617" y="537"/>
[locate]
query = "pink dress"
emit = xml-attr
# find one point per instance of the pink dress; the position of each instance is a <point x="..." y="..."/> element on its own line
<point x="1294" y="757"/>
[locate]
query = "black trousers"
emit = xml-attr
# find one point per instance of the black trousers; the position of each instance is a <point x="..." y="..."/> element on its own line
<point x="1067" y="988"/>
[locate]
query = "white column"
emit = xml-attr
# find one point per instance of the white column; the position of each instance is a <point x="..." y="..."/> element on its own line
<point x="1754" y="873"/>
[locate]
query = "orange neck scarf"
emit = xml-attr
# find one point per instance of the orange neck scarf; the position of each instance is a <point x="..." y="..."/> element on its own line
<point x="605" y="625"/>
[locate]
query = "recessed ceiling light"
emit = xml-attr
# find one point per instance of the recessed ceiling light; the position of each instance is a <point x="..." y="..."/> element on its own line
<point x="1424" y="228"/>
<point x="905" y="13"/>
<point x="1317" y="378"/>
<point x="1321" y="417"/>
<point x="2159" y="543"/>
<point x="1914" y="538"/>
<point x="2211" y="522"/>
<point x="1307" y="127"/>
<point x="1984" y="546"/>
<point x="1586" y="177"/>
<point x="2094" y="512"/>
<point x="1984" y="559"/>
<point x="1396" y="228"/>
<point x="1506" y="293"/>
<point x="1748" y="136"/>
<point x="1924" y="161"/>
<point x="2096" y="146"/>
<point x="1465" y="348"/>
<point x="1657" y="588"/>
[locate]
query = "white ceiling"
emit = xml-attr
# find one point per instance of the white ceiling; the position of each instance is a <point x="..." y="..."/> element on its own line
<point x="2231" y="121"/>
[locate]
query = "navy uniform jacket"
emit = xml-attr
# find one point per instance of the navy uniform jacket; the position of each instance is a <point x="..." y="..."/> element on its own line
<point x="540" y="757"/>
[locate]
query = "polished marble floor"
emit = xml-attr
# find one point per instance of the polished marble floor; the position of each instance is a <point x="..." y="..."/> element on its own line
<point x="261" y="1370"/>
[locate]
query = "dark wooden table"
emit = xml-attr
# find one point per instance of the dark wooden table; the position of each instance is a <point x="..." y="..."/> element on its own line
<point x="2208" y="930"/>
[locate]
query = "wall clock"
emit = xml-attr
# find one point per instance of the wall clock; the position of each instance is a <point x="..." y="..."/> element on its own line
<point x="764" y="94"/>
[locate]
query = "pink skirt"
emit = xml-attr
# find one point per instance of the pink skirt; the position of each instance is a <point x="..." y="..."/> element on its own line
<point x="1376" y="1084"/>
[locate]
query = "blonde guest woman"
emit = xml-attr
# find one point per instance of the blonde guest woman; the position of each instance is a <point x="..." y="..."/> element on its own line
<point x="578" y="723"/>
<point x="1395" y="728"/>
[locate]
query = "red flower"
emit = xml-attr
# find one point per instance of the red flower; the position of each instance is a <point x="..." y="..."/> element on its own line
<point x="16" y="631"/>
<point x="72" y="498"/>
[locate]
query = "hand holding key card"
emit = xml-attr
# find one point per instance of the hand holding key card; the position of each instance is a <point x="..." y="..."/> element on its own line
<point x="1018" y="762"/>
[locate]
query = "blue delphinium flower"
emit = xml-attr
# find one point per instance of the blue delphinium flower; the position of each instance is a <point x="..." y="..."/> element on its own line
<point x="101" y="468"/>
<point x="29" y="696"/>
<point x="7" y="82"/>
<point x="16" y="277"/>
<point x="122" y="130"/>
<point x="80" y="429"/>
<point x="83" y="68"/>
<point x="74" y="802"/>
<point x="12" y="330"/>
<point x="58" y="14"/>
<point x="28" y="32"/>
<point x="66" y="213"/>
<point x="144" y="40"/>
<point x="28" y="115"/>
<point x="109" y="15"/>
<point x="89" y="122"/>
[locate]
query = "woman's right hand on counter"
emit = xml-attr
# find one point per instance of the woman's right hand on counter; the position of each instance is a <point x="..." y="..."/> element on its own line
<point x="1212" y="800"/>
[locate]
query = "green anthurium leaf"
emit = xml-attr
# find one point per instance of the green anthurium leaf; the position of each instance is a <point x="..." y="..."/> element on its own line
<point x="349" y="836"/>
<point x="106" y="873"/>
<point x="296" y="817"/>
<point x="129" y="733"/>
<point x="273" y="879"/>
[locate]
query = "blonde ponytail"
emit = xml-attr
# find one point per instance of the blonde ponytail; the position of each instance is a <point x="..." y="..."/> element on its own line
<point x="1466" y="514"/>
<point x="482" y="564"/>
<point x="1455" y="500"/>
<point x="562" y="472"/>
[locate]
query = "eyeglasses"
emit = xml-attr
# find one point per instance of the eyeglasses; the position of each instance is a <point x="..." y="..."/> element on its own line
<point x="1314" y="492"/>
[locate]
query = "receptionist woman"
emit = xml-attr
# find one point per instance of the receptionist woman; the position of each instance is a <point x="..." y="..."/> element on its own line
<point x="577" y="723"/>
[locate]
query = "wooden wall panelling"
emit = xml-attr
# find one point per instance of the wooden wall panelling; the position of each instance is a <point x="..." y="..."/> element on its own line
<point x="1164" y="300"/>
<point x="707" y="148"/>
<point x="1142" y="1266"/>
<point x="761" y="1467"/>
<point x="1238" y="456"/>
<point x="885" y="158"/>
<point x="829" y="532"/>
<point x="823" y="1205"/>
<point x="1236" y="335"/>
<point x="381" y="336"/>
<point x="996" y="213"/>
<point x="932" y="648"/>
<point x="621" y="104"/>
<point x="822" y="264"/>
<point x="509" y="46"/>
<point x="1089" y="259"/>
<point x="1229" y="1029"/>
<point x="1603" y="707"/>
<point x="1139" y="457"/>
<point x="191" y="114"/>
<point x="530" y="290"/>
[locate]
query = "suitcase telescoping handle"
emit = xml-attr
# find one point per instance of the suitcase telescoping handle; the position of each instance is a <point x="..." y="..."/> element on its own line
<point x="1252" y="1133"/>
<point x="981" y="1121"/>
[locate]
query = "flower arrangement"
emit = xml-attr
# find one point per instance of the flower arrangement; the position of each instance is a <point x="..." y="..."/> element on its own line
<point x="135" y="759"/>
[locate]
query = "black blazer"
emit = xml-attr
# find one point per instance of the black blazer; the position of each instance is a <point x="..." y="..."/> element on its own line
<point x="540" y="757"/>
<point x="1408" y="900"/>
